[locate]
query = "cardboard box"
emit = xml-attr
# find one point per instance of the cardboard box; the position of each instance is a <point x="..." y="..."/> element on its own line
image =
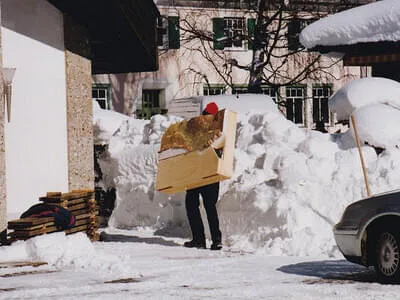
<point x="198" y="168"/>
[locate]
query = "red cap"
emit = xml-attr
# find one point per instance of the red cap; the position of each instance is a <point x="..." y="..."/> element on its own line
<point x="211" y="108"/>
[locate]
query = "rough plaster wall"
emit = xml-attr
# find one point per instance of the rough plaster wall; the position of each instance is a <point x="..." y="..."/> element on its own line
<point x="79" y="108"/>
<point x="3" y="207"/>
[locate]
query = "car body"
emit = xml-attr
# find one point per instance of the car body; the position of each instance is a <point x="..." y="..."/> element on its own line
<point x="369" y="234"/>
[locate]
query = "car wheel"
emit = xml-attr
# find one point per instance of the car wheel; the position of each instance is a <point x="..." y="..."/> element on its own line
<point x="387" y="256"/>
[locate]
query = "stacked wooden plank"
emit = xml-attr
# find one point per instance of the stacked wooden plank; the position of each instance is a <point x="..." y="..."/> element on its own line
<point x="81" y="203"/>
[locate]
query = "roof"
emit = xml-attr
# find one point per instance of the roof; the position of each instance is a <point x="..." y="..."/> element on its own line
<point x="363" y="25"/>
<point x="122" y="34"/>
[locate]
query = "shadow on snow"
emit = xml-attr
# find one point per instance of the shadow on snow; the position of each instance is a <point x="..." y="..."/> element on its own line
<point x="331" y="271"/>
<point x="105" y="237"/>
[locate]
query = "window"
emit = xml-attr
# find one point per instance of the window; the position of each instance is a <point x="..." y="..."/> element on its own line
<point x="162" y="32"/>
<point x="320" y="108"/>
<point x="150" y="104"/>
<point x="168" y="36"/>
<point x="295" y="26"/>
<point x="239" y="89"/>
<point x="270" y="91"/>
<point x="295" y="97"/>
<point x="266" y="90"/>
<point x="213" y="89"/>
<point x="231" y="32"/>
<point x="101" y="93"/>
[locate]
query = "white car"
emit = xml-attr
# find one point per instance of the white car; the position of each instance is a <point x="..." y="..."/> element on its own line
<point x="369" y="234"/>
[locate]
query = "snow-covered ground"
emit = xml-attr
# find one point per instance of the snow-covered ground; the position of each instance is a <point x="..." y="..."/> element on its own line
<point x="139" y="265"/>
<point x="289" y="187"/>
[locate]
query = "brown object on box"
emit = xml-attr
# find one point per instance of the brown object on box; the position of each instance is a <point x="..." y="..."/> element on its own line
<point x="199" y="167"/>
<point x="194" y="134"/>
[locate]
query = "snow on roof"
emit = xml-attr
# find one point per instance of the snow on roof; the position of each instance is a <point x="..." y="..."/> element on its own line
<point x="374" y="22"/>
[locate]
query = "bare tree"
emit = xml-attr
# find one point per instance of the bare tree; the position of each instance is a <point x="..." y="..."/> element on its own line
<point x="278" y="59"/>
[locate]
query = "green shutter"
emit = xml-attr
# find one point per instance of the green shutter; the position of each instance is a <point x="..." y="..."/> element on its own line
<point x="294" y="28"/>
<point x="173" y="33"/>
<point x="218" y="29"/>
<point x="251" y="27"/>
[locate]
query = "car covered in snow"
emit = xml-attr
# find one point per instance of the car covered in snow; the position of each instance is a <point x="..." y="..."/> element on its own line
<point x="369" y="234"/>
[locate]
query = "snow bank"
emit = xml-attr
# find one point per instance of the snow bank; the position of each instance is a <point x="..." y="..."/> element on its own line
<point x="378" y="125"/>
<point x="364" y="91"/>
<point x="105" y="123"/>
<point x="374" y="22"/>
<point x="241" y="103"/>
<point x="60" y="250"/>
<point x="289" y="187"/>
<point x="56" y="249"/>
<point x="375" y="104"/>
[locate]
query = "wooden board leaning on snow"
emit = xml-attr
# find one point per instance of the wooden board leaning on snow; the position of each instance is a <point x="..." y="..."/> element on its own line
<point x="188" y="170"/>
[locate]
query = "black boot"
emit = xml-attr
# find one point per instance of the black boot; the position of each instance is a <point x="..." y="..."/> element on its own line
<point x="195" y="244"/>
<point x="216" y="246"/>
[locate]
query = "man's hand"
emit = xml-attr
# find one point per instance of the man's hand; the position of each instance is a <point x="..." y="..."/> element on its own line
<point x="216" y="136"/>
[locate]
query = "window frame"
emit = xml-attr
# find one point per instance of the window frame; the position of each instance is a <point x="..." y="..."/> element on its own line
<point x="243" y="88"/>
<point x="108" y="94"/>
<point x="236" y="32"/>
<point x="217" y="86"/>
<point x="321" y="98"/>
<point x="162" y="32"/>
<point x="220" y="37"/>
<point x="168" y="28"/>
<point x="295" y="105"/>
<point x="147" y="111"/>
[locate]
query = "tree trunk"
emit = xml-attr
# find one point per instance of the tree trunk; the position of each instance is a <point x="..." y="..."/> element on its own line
<point x="260" y="41"/>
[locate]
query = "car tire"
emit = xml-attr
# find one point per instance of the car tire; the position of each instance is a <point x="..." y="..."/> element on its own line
<point x="387" y="256"/>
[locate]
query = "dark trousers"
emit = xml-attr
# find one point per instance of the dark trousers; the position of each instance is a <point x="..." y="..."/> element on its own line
<point x="209" y="193"/>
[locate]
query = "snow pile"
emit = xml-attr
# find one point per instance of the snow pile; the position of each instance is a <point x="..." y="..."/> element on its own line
<point x="364" y="91"/>
<point x="56" y="249"/>
<point x="374" y="22"/>
<point x="375" y="104"/>
<point x="237" y="103"/>
<point x="289" y="187"/>
<point x="60" y="250"/>
<point x="105" y="123"/>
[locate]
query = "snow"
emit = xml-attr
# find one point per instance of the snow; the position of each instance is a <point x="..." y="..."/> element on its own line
<point x="369" y="99"/>
<point x="138" y="265"/>
<point x="290" y="186"/>
<point x="364" y="91"/>
<point x="374" y="22"/>
<point x="240" y="103"/>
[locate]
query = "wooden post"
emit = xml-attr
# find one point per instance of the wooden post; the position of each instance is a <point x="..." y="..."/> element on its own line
<point x="361" y="156"/>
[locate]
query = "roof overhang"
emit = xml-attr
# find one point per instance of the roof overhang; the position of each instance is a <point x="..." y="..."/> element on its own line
<point x="122" y="33"/>
<point x="364" y="53"/>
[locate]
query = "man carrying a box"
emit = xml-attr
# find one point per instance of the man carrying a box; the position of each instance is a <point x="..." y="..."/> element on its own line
<point x="209" y="194"/>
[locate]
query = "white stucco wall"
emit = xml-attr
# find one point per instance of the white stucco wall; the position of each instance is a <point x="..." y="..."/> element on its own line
<point x="36" y="137"/>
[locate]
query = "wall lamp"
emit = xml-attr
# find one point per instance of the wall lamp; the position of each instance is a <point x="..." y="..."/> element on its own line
<point x="8" y="75"/>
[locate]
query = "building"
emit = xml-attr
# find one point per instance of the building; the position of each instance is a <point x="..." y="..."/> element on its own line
<point x="49" y="51"/>
<point x="360" y="41"/>
<point x="186" y="72"/>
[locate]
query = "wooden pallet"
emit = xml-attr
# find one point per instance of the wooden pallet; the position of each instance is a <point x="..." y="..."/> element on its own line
<point x="198" y="168"/>
<point x="80" y="202"/>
